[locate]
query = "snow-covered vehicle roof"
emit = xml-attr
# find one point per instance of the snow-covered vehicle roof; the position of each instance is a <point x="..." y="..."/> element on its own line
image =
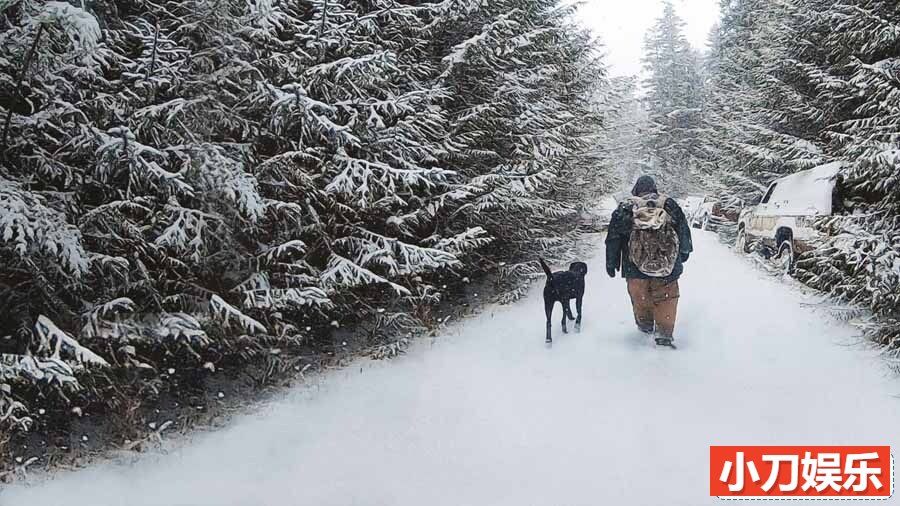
<point x="691" y="203"/>
<point x="807" y="192"/>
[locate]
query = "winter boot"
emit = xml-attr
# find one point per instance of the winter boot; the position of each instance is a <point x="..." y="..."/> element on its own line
<point x="665" y="341"/>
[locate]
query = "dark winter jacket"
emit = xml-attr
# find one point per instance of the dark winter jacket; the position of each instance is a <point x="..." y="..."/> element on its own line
<point x="620" y="231"/>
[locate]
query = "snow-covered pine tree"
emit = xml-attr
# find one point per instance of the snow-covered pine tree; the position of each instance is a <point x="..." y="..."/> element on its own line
<point x="762" y="114"/>
<point x="349" y="144"/>
<point x="175" y="177"/>
<point x="729" y="93"/>
<point x="523" y="83"/>
<point x="717" y="171"/>
<point x="674" y="100"/>
<point x="797" y="84"/>
<point x="623" y="145"/>
<point x="859" y="261"/>
<point x="44" y="266"/>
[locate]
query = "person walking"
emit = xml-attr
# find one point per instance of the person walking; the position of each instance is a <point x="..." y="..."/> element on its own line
<point x="649" y="240"/>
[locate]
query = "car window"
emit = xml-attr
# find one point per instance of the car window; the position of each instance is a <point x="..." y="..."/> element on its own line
<point x="768" y="195"/>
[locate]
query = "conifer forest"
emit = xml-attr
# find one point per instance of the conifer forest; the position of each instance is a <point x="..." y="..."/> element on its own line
<point x="201" y="194"/>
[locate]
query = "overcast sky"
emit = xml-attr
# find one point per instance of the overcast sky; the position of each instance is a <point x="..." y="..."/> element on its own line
<point x="621" y="24"/>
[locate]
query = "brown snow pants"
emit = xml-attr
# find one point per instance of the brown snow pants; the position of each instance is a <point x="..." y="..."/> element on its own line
<point x="655" y="305"/>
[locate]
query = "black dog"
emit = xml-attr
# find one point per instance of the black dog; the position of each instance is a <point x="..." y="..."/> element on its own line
<point x="562" y="287"/>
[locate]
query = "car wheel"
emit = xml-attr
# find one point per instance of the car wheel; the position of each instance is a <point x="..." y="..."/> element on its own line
<point x="785" y="258"/>
<point x="705" y="224"/>
<point x="740" y="243"/>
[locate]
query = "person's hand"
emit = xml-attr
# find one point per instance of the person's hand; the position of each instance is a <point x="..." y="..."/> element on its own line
<point x="611" y="272"/>
<point x="684" y="257"/>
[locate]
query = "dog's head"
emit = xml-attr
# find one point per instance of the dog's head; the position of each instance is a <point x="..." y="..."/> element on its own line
<point x="579" y="268"/>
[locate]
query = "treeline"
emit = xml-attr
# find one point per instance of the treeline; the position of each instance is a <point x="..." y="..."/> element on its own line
<point x="673" y="101"/>
<point x="784" y="87"/>
<point x="199" y="181"/>
<point x="793" y="85"/>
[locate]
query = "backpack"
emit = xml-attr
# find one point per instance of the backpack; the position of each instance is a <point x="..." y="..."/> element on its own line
<point x="653" y="245"/>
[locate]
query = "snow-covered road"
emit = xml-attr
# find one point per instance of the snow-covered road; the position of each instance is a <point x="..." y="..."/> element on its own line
<point x="488" y="416"/>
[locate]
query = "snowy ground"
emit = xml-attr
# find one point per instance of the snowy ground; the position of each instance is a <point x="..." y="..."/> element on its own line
<point x="489" y="416"/>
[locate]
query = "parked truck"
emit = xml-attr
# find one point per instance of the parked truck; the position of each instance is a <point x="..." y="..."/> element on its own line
<point x="782" y="224"/>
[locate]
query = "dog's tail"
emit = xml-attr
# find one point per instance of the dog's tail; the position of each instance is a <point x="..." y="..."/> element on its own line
<point x="546" y="269"/>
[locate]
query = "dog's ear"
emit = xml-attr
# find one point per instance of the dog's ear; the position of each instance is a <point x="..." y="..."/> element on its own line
<point x="579" y="267"/>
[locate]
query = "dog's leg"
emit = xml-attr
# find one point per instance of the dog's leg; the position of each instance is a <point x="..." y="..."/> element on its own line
<point x="564" y="303"/>
<point x="578" y="320"/>
<point x="548" y="309"/>
<point x="567" y="309"/>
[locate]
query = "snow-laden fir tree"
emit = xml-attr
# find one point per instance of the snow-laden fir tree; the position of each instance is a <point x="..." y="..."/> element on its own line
<point x="523" y="121"/>
<point x="762" y="117"/>
<point x="798" y="84"/>
<point x="673" y="88"/>
<point x="859" y="260"/>
<point x="200" y="179"/>
<point x="624" y="143"/>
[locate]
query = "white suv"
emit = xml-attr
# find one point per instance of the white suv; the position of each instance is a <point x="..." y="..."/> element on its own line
<point x="783" y="219"/>
<point x="705" y="214"/>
